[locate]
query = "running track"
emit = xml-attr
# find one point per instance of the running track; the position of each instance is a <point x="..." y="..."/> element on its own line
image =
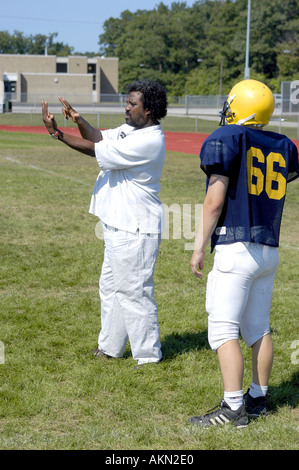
<point x="175" y="141"/>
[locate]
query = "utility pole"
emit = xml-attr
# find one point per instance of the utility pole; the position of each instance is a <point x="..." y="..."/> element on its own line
<point x="247" y="68"/>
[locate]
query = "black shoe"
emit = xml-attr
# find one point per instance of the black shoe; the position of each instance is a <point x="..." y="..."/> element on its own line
<point x="98" y="353"/>
<point x="224" y="414"/>
<point x="255" y="407"/>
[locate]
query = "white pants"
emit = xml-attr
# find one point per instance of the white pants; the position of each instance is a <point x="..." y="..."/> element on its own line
<point x="239" y="292"/>
<point x="128" y="307"/>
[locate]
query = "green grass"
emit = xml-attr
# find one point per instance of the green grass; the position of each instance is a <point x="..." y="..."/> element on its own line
<point x="53" y="393"/>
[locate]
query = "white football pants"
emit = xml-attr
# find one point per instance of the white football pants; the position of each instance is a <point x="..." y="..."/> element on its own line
<point x="128" y="307"/>
<point x="239" y="292"/>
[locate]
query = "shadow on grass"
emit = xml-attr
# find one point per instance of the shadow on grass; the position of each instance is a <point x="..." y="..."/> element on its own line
<point x="175" y="344"/>
<point x="178" y="343"/>
<point x="285" y="394"/>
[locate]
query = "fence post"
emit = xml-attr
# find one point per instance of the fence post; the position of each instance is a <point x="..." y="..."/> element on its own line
<point x="187" y="104"/>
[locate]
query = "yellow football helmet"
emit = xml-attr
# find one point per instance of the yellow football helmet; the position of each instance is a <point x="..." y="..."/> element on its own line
<point x="249" y="102"/>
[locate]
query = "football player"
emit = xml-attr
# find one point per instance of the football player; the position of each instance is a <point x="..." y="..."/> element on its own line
<point x="247" y="171"/>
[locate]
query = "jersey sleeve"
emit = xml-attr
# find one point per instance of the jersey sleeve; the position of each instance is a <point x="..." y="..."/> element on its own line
<point x="219" y="152"/>
<point x="293" y="164"/>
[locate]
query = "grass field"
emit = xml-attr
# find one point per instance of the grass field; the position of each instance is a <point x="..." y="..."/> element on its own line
<point x="53" y="393"/>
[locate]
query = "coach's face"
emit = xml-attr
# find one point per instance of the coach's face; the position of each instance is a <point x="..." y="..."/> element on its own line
<point x="136" y="115"/>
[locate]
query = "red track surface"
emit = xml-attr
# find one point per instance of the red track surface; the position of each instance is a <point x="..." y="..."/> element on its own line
<point x="175" y="141"/>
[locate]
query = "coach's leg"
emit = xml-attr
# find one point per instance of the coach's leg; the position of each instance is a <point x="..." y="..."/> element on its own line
<point x="132" y="258"/>
<point x="139" y="305"/>
<point x="113" y="336"/>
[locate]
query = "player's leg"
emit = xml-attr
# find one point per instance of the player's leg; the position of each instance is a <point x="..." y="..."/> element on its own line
<point x="227" y="295"/>
<point x="255" y="328"/>
<point x="231" y="364"/>
<point x="262" y="360"/>
<point x="257" y="394"/>
<point x="228" y="287"/>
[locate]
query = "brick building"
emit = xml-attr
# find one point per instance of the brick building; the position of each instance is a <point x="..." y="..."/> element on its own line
<point x="29" y="78"/>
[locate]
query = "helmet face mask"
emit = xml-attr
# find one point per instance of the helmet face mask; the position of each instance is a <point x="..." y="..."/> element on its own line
<point x="225" y="113"/>
<point x="249" y="102"/>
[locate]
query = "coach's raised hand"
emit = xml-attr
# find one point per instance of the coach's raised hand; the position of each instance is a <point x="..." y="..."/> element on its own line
<point x="49" y="119"/>
<point x="87" y="131"/>
<point x="76" y="143"/>
<point x="68" y="111"/>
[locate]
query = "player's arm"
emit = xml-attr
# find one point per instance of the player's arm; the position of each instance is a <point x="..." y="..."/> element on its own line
<point x="211" y="211"/>
<point x="86" y="130"/>
<point x="77" y="143"/>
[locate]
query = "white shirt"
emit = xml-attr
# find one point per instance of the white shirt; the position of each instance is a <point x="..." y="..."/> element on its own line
<point x="125" y="195"/>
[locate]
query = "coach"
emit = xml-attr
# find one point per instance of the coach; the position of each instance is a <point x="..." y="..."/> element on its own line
<point x="125" y="198"/>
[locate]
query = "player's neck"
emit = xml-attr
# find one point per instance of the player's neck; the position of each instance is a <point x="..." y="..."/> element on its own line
<point x="256" y="127"/>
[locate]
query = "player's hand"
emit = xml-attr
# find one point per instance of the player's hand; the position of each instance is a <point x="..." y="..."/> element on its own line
<point x="196" y="263"/>
<point x="48" y="118"/>
<point x="68" y="111"/>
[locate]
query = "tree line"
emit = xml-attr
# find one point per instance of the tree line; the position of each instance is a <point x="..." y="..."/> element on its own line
<point x="199" y="50"/>
<point x="18" y="43"/>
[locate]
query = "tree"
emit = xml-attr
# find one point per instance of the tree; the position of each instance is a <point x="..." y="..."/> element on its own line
<point x="194" y="50"/>
<point x="17" y="43"/>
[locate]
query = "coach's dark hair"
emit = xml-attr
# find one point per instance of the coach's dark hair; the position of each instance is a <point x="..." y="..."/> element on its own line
<point x="154" y="97"/>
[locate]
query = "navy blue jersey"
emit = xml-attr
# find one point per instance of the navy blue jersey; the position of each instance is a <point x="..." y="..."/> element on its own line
<point x="259" y="165"/>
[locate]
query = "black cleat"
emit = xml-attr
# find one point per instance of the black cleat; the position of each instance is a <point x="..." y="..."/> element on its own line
<point x="223" y="415"/>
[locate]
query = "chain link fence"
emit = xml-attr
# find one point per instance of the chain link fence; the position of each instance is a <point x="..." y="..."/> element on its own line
<point x="286" y="112"/>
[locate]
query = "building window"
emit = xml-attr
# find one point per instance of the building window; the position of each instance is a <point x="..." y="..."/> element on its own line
<point x="61" y="67"/>
<point x="10" y="89"/>
<point x="92" y="68"/>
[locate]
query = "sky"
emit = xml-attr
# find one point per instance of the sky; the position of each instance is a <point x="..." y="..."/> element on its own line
<point x="78" y="23"/>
